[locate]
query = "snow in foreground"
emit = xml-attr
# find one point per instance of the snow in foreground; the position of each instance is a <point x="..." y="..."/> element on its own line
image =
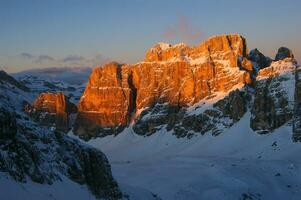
<point x="12" y="190"/>
<point x="232" y="165"/>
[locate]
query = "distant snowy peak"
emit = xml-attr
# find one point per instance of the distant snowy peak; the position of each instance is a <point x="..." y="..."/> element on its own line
<point x="70" y="75"/>
<point x="69" y="80"/>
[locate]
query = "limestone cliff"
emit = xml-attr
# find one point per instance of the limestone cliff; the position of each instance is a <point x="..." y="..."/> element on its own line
<point x="52" y="109"/>
<point x="178" y="75"/>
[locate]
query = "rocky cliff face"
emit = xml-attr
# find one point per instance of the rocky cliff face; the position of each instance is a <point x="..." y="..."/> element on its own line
<point x="108" y="100"/>
<point x="192" y="90"/>
<point x="274" y="101"/>
<point x="31" y="152"/>
<point x="200" y="119"/>
<point x="274" y="96"/>
<point x="52" y="109"/>
<point x="297" y="107"/>
<point x="177" y="75"/>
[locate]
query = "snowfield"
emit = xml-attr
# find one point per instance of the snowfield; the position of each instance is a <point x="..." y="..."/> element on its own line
<point x="12" y="190"/>
<point x="234" y="165"/>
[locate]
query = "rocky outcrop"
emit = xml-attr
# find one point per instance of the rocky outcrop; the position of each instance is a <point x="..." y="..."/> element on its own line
<point x="8" y="124"/>
<point x="297" y="107"/>
<point x="53" y="110"/>
<point x="257" y="57"/>
<point x="234" y="106"/>
<point x="178" y="75"/>
<point x="184" y="122"/>
<point x="284" y="52"/>
<point x="108" y="100"/>
<point x="30" y="152"/>
<point x="274" y="96"/>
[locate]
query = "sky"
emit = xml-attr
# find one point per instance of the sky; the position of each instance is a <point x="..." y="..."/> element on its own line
<point x="63" y="33"/>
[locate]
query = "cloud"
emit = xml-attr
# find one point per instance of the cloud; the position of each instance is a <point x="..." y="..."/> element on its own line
<point x="36" y="58"/>
<point x="73" y="58"/>
<point x="98" y="59"/>
<point x="42" y="58"/>
<point x="184" y="30"/>
<point x="70" y="60"/>
<point x="27" y="55"/>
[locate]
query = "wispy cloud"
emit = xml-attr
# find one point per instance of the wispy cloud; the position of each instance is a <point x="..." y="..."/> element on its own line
<point x="184" y="30"/>
<point x="26" y="55"/>
<point x="42" y="58"/>
<point x="36" y="58"/>
<point x="98" y="59"/>
<point x="67" y="61"/>
<point x="73" y="58"/>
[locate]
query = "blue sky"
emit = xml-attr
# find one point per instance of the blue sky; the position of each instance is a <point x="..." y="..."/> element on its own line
<point x="50" y="33"/>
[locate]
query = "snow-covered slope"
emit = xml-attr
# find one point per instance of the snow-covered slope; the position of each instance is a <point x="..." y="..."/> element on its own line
<point x="71" y="81"/>
<point x="35" y="161"/>
<point x="235" y="164"/>
<point x="65" y="189"/>
<point x="238" y="143"/>
<point x="253" y="156"/>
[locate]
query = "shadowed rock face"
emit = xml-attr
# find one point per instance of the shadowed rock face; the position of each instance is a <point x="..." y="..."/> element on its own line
<point x="51" y="108"/>
<point x="30" y="152"/>
<point x="178" y="75"/>
<point x="273" y="99"/>
<point x="8" y="123"/>
<point x="185" y="124"/>
<point x="297" y="108"/>
<point x="283" y="53"/>
<point x="4" y="77"/>
<point x="256" y="56"/>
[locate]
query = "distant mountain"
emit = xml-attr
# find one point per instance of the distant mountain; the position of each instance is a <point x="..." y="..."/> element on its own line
<point x="70" y="75"/>
<point x="69" y="80"/>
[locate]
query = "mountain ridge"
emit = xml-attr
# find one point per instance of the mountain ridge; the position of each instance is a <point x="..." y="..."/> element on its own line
<point x="177" y="76"/>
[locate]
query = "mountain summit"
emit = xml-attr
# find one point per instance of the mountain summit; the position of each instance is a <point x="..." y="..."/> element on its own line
<point x="178" y="77"/>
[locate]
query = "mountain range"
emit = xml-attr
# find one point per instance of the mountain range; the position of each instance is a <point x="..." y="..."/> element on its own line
<point x="211" y="121"/>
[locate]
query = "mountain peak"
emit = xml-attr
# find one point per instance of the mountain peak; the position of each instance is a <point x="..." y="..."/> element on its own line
<point x="284" y="52"/>
<point x="179" y="52"/>
<point x="178" y="75"/>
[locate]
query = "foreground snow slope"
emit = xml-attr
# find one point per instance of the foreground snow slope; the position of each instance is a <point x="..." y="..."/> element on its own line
<point x="235" y="164"/>
<point x="66" y="189"/>
<point x="62" y="190"/>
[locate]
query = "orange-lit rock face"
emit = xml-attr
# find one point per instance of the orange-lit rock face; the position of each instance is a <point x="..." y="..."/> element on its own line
<point x="51" y="103"/>
<point x="108" y="96"/>
<point x="178" y="75"/>
<point x="56" y="107"/>
<point x="182" y="75"/>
